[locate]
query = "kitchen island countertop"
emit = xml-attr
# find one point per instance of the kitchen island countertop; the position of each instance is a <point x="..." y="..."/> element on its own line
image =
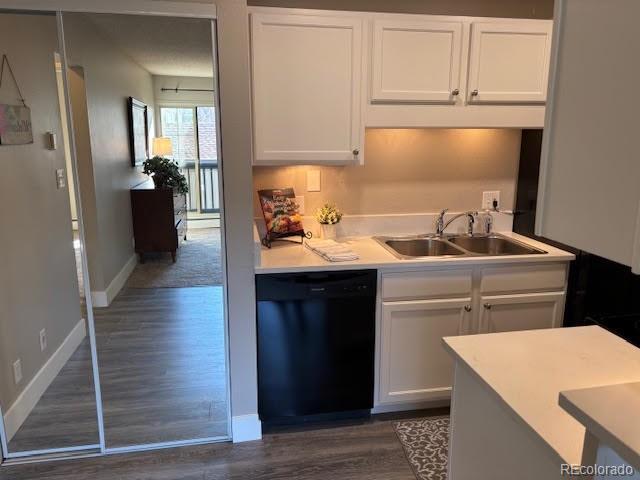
<point x="525" y="372"/>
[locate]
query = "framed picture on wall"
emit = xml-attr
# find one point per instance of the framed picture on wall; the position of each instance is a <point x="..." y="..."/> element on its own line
<point x="138" y="131"/>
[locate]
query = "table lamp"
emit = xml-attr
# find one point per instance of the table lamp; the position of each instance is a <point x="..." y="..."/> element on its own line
<point x="162" y="147"/>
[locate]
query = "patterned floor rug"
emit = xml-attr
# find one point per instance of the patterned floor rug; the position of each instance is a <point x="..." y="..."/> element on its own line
<point x="426" y="443"/>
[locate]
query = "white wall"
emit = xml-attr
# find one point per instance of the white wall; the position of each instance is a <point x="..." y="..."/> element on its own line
<point x="411" y="171"/>
<point x="235" y="124"/>
<point x="38" y="283"/>
<point x="110" y="78"/>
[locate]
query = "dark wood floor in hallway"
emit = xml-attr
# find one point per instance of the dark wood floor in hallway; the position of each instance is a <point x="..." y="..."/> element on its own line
<point x="369" y="450"/>
<point x="161" y="355"/>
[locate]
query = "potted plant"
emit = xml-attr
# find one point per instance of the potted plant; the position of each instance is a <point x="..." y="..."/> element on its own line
<point x="166" y="174"/>
<point x="328" y="217"/>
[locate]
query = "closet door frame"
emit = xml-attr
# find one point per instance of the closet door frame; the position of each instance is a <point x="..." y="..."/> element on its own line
<point x="121" y="7"/>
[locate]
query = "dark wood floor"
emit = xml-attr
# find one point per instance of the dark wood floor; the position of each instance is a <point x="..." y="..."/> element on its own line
<point x="162" y="370"/>
<point x="66" y="414"/>
<point x="366" y="451"/>
<point x="161" y="355"/>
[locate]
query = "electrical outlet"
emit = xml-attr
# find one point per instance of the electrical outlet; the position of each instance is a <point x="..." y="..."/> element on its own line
<point x="43" y="340"/>
<point x="17" y="371"/>
<point x="488" y="198"/>
<point x="300" y="202"/>
<point x="313" y="181"/>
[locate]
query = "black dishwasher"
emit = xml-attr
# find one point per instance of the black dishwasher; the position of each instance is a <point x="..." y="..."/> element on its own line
<point x="316" y="336"/>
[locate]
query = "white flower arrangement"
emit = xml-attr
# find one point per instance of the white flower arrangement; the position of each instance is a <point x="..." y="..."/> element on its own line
<point x="328" y="214"/>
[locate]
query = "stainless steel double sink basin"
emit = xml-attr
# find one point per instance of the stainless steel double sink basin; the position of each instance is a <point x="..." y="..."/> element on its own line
<point x="455" y="246"/>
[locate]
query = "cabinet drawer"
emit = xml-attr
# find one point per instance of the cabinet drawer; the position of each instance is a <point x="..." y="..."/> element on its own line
<point x="524" y="278"/>
<point x="427" y="284"/>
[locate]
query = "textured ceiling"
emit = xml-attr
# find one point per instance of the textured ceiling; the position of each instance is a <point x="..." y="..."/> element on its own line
<point x="161" y="45"/>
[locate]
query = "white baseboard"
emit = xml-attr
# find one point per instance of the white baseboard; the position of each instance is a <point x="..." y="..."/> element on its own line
<point x="245" y="428"/>
<point x="103" y="298"/>
<point x="27" y="400"/>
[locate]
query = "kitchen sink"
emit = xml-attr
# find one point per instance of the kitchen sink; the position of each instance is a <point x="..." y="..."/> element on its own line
<point x="492" y="245"/>
<point x="455" y="245"/>
<point x="419" y="247"/>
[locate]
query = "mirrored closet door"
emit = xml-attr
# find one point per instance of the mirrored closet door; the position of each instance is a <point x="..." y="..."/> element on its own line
<point x="143" y="96"/>
<point x="47" y="392"/>
<point x="112" y="321"/>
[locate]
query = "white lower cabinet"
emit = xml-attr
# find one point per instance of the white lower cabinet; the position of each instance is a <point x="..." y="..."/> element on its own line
<point x="531" y="311"/>
<point x="419" y="307"/>
<point x="414" y="365"/>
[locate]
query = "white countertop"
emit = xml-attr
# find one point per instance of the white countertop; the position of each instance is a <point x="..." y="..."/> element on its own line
<point x="527" y="371"/>
<point x="611" y="413"/>
<point x="286" y="257"/>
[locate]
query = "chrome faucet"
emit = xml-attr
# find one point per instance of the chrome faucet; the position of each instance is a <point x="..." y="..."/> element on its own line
<point x="441" y="225"/>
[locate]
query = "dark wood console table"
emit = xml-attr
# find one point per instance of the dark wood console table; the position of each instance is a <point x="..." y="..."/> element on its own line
<point x="159" y="220"/>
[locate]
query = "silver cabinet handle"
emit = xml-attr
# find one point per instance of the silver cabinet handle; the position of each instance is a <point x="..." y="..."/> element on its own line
<point x="487" y="306"/>
<point x="356" y="151"/>
<point x="467" y="308"/>
<point x="455" y="92"/>
<point x="474" y="93"/>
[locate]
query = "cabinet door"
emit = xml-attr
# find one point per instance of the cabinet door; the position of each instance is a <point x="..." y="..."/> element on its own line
<point x="509" y="62"/>
<point x="414" y="365"/>
<point x="509" y="313"/>
<point x="306" y="88"/>
<point x="416" y="61"/>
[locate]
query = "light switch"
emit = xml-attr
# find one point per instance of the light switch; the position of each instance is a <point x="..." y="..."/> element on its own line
<point x="61" y="181"/>
<point x="313" y="181"/>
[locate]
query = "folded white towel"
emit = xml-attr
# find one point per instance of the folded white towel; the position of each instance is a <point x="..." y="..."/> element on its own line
<point x="331" y="250"/>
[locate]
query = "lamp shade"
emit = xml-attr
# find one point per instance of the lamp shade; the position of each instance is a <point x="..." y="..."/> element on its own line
<point x="162" y="146"/>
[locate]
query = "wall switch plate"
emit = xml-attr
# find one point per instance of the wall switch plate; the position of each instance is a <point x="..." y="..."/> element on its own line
<point x="43" y="340"/>
<point x="300" y="203"/>
<point x="17" y="371"/>
<point x="488" y="198"/>
<point x="61" y="181"/>
<point x="313" y="181"/>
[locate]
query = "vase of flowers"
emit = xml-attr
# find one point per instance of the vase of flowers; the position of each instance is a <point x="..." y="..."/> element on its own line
<point x="328" y="217"/>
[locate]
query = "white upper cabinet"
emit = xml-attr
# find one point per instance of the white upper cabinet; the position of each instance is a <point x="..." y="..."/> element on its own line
<point x="509" y="62"/>
<point x="306" y="88"/>
<point x="320" y="77"/>
<point x="416" y="61"/>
